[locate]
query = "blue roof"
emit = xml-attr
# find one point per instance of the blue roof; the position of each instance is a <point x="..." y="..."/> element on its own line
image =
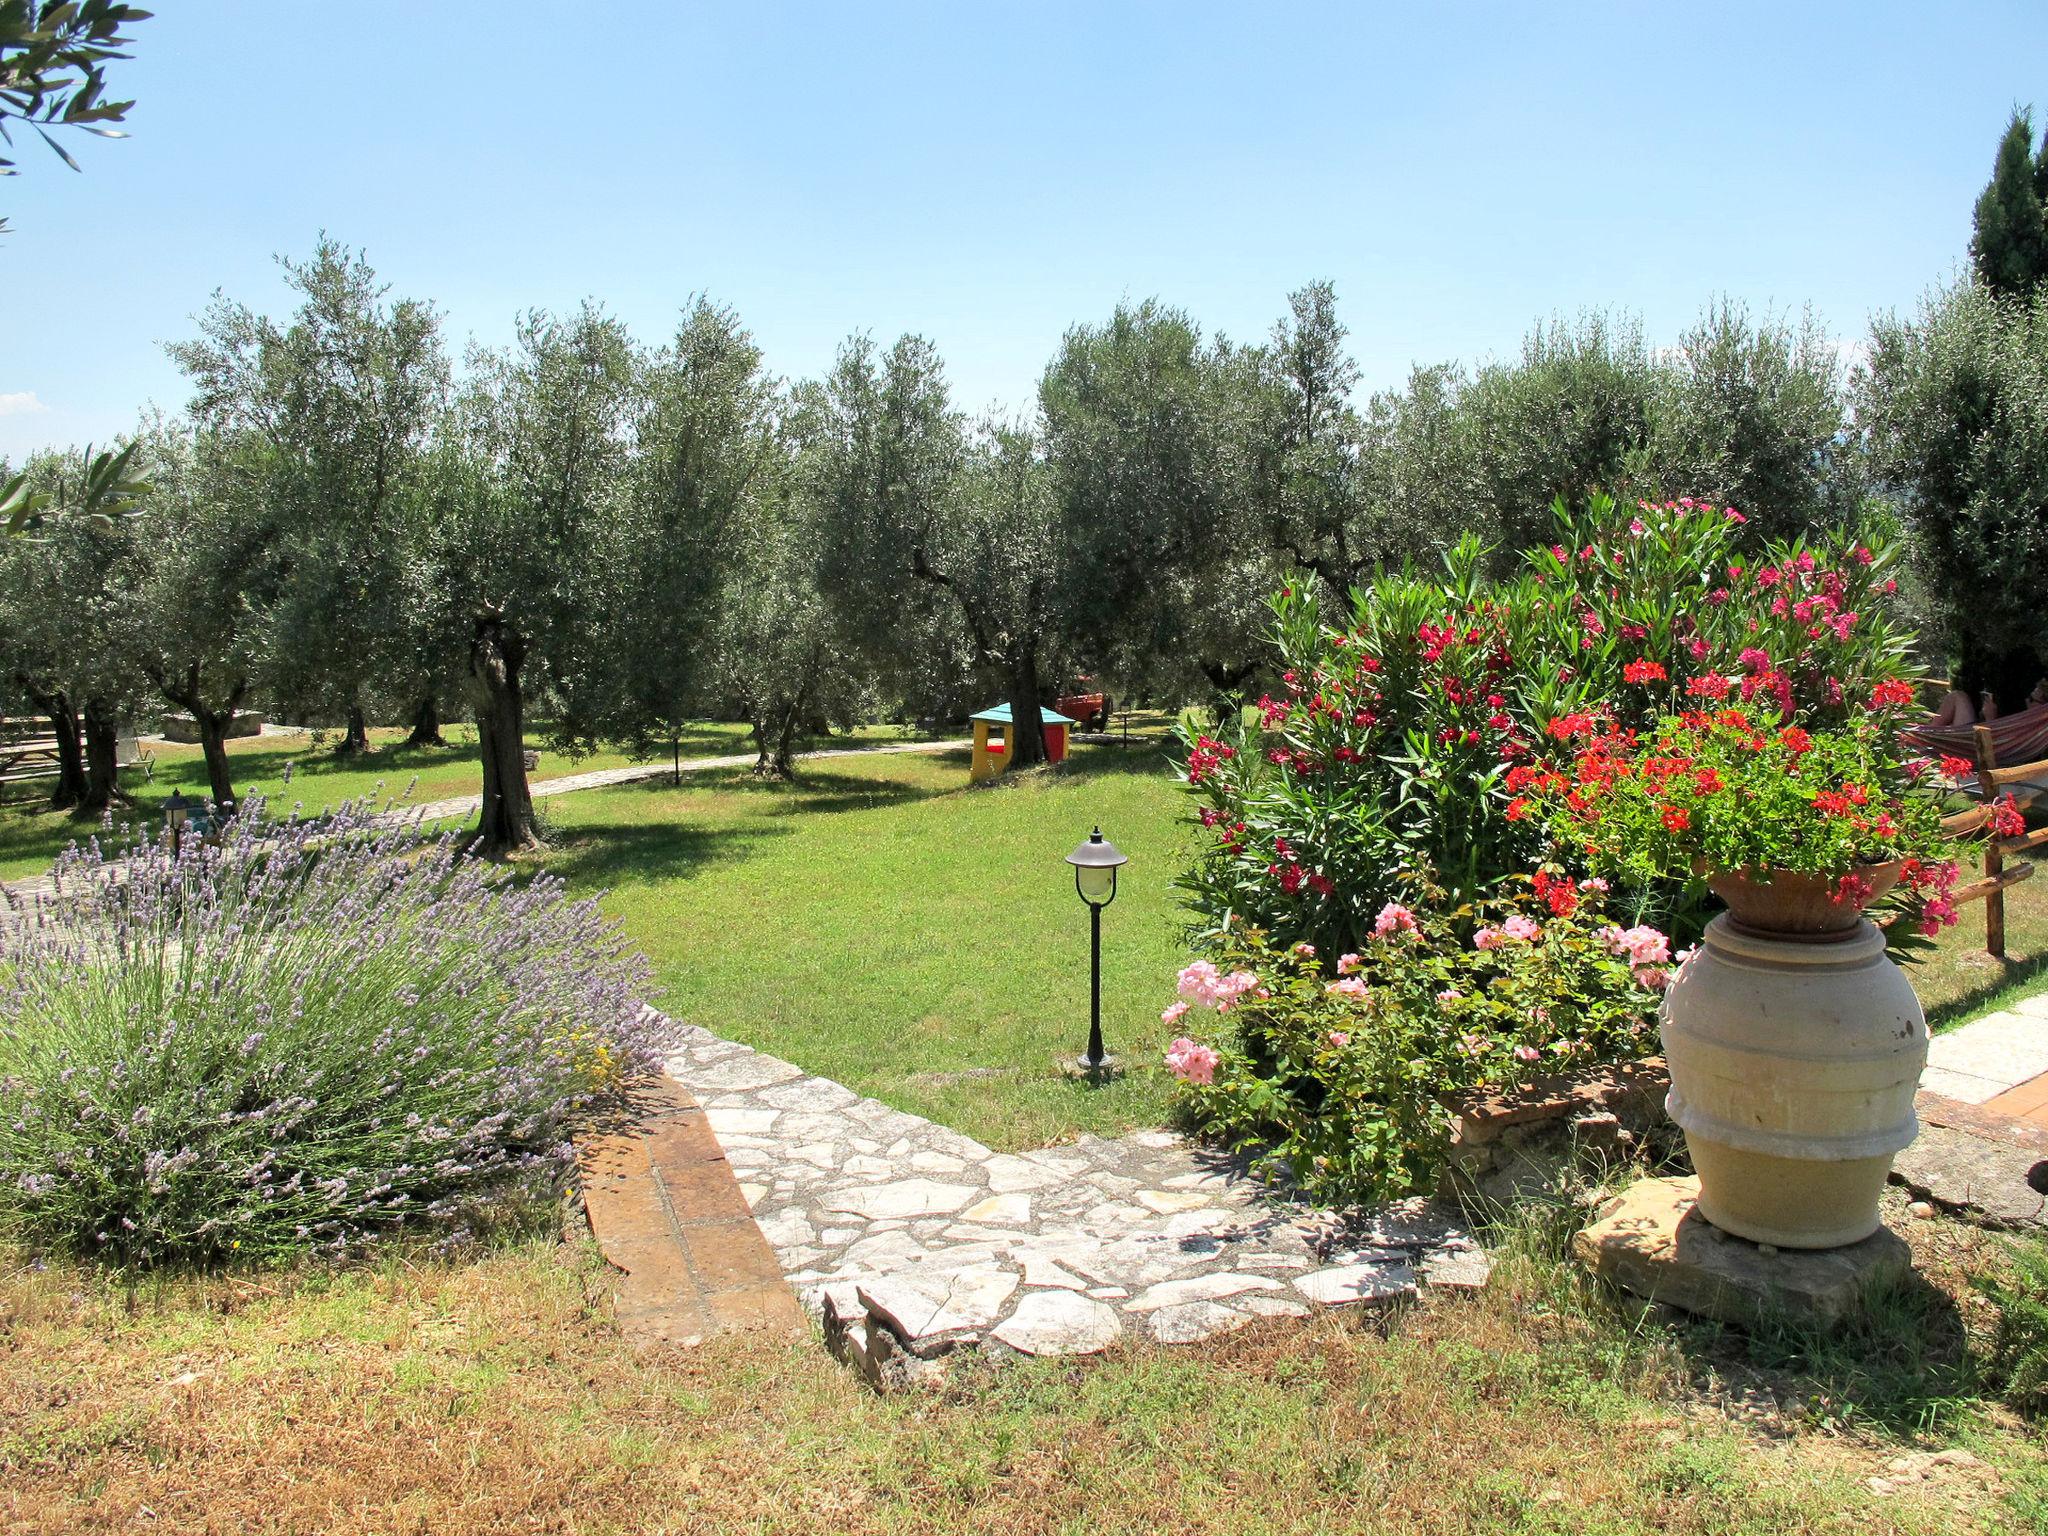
<point x="1001" y="715"/>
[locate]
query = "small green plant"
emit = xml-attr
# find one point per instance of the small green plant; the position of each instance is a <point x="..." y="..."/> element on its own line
<point x="2018" y="1357"/>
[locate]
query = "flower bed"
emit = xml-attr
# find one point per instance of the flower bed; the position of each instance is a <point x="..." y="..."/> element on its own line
<point x="1532" y="774"/>
<point x="310" y="1035"/>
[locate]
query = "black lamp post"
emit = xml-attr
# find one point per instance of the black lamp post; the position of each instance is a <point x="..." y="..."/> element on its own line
<point x="1095" y="865"/>
<point x="177" y="811"/>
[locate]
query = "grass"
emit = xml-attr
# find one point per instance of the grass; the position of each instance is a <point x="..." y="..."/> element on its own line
<point x="425" y="1396"/>
<point x="31" y="835"/>
<point x="883" y="924"/>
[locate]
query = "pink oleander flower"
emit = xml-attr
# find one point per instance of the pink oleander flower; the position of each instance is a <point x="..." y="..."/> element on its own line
<point x="1192" y="1062"/>
<point x="1304" y="951"/>
<point x="1338" y="1039"/>
<point x="1652" y="977"/>
<point x="1521" y="928"/>
<point x="1527" y="1053"/>
<point x="1174" y="1014"/>
<point x="1449" y="995"/>
<point x="1394" y="918"/>
<point x="1595" y="883"/>
<point x="1348" y="963"/>
<point x="1349" y="986"/>
<point x="1473" y="1045"/>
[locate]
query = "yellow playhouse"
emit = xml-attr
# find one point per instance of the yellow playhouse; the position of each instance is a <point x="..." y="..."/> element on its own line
<point x="992" y="757"/>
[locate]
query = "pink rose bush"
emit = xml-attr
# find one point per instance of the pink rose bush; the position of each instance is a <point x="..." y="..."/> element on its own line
<point x="1339" y="1081"/>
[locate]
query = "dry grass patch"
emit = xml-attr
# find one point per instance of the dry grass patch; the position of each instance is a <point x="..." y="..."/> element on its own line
<point x="433" y="1397"/>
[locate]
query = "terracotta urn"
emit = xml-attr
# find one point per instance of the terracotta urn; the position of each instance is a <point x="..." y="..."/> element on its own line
<point x="1795" y="1048"/>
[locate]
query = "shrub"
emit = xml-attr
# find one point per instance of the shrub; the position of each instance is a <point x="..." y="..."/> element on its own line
<point x="2018" y="1359"/>
<point x="1340" y="1079"/>
<point x="1408" y="731"/>
<point x="310" y="1035"/>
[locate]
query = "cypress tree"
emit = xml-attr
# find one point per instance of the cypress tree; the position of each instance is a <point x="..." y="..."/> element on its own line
<point x="2010" y="247"/>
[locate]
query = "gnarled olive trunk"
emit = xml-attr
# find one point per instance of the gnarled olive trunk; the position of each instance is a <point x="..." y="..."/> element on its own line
<point x="1027" y="730"/>
<point x="213" y="725"/>
<point x="356" y="737"/>
<point x="496" y="652"/>
<point x="102" y="756"/>
<point x="426" y="724"/>
<point x="70" y="788"/>
<point x="213" y="743"/>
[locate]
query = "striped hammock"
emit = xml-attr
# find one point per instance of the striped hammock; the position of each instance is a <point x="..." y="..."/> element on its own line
<point x="2018" y="740"/>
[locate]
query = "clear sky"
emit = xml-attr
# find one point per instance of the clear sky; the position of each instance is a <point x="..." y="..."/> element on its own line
<point x="988" y="174"/>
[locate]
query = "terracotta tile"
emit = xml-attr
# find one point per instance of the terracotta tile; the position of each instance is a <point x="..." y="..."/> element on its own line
<point x="726" y="1255"/>
<point x="756" y="1308"/>
<point x="668" y="1214"/>
<point x="2022" y="1100"/>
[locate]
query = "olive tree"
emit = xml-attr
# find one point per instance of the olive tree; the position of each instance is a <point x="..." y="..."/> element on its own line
<point x="706" y="458"/>
<point x="332" y="409"/>
<point x="66" y="614"/>
<point x="544" y="429"/>
<point x="207" y="572"/>
<point x="1168" y="460"/>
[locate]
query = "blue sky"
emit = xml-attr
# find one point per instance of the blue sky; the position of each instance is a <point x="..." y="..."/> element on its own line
<point x="990" y="174"/>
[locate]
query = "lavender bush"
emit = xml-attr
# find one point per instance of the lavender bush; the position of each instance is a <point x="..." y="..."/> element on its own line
<point x="311" y="1034"/>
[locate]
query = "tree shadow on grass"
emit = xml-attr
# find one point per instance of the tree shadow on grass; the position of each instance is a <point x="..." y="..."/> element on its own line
<point x="648" y="853"/>
<point x="680" y="846"/>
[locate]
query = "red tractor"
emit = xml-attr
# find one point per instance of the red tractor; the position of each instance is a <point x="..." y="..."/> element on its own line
<point x="1088" y="711"/>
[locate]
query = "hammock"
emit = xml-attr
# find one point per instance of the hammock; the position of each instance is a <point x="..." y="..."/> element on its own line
<point x="2016" y="739"/>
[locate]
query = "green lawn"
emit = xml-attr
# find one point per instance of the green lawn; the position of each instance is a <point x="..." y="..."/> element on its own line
<point x="31" y="835"/>
<point x="885" y="925"/>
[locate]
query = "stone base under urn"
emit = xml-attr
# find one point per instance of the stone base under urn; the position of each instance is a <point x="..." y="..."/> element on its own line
<point x="1651" y="1240"/>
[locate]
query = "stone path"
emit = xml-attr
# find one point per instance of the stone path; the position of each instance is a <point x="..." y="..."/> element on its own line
<point x="911" y="1241"/>
<point x="1983" y="1106"/>
<point x="1992" y="1057"/>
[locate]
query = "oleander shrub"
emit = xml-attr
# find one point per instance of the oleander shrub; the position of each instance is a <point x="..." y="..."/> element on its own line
<point x="312" y="1034"/>
<point x="1335" y="1069"/>
<point x="1400" y="753"/>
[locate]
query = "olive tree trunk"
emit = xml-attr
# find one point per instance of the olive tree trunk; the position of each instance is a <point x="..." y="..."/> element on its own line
<point x="426" y="724"/>
<point x="70" y="788"/>
<point x="496" y="652"/>
<point x="1027" y="730"/>
<point x="356" y="737"/>
<point x="102" y="756"/>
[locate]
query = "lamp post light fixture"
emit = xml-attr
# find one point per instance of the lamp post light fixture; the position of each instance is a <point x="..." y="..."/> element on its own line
<point x="1095" y="865"/>
<point x="177" y="812"/>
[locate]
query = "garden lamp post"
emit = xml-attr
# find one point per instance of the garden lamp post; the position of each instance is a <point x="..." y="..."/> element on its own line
<point x="1095" y="865"/>
<point x="177" y="811"/>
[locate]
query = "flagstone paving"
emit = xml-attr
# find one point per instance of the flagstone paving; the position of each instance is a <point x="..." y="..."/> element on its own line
<point x="911" y="1241"/>
<point x="1982" y="1151"/>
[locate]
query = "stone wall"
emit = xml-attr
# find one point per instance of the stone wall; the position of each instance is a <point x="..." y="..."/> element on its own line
<point x="1510" y="1144"/>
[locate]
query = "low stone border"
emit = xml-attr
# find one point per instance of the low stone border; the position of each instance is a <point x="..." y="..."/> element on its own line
<point x="687" y="1258"/>
<point x="911" y="1242"/>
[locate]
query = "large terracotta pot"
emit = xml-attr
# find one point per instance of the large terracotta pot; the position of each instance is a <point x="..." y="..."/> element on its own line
<point x="1777" y="901"/>
<point x="1794" y="1060"/>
